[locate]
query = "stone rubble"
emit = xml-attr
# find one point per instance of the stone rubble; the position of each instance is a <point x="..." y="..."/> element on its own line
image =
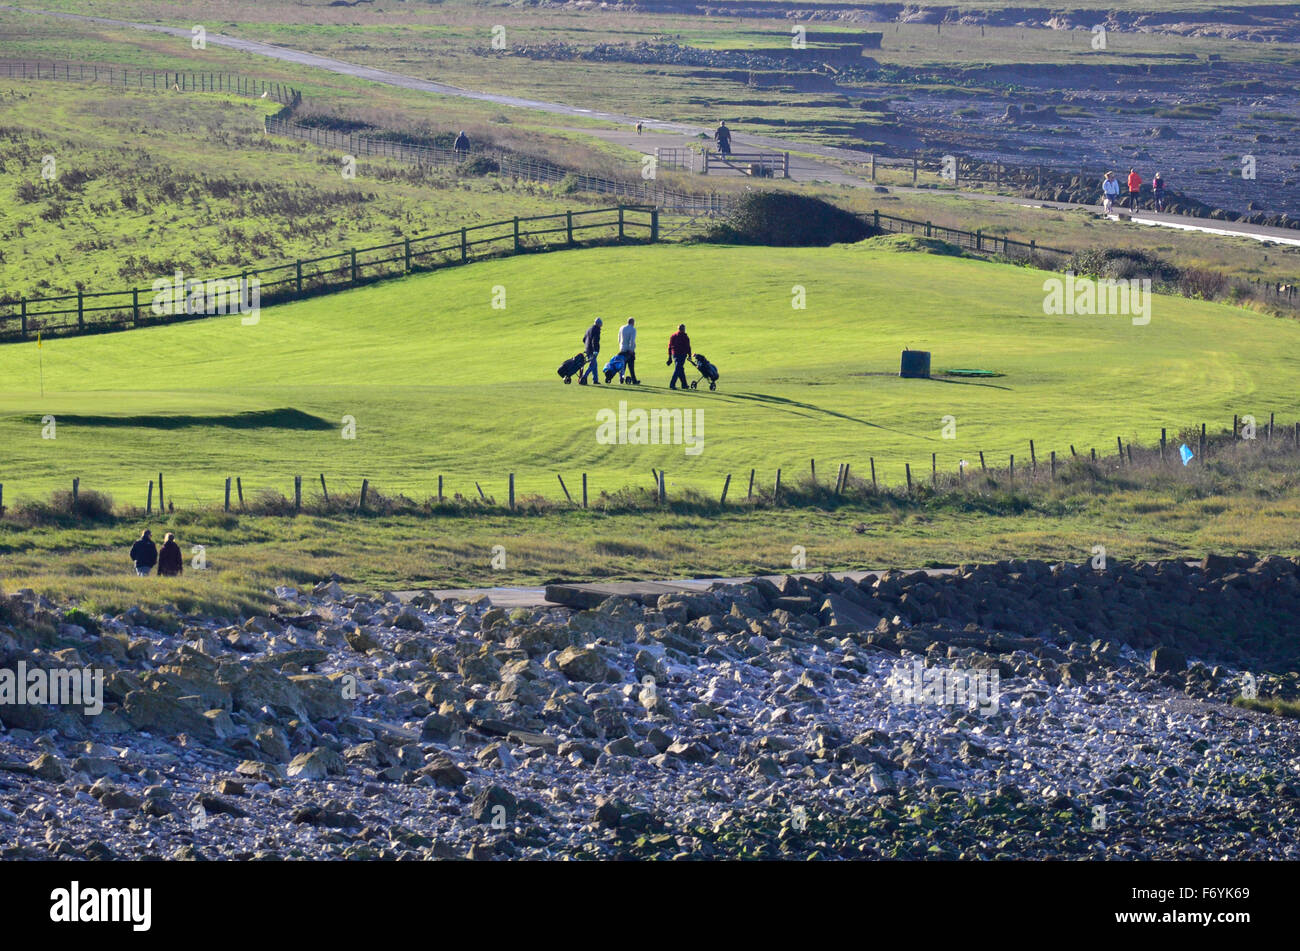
<point x="753" y="721"/>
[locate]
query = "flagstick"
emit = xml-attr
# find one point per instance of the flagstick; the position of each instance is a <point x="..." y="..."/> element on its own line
<point x="41" y="355"/>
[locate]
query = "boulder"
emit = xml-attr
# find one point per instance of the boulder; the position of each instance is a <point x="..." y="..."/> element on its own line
<point x="582" y="664"/>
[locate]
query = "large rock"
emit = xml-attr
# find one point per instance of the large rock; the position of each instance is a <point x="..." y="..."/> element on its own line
<point x="317" y="764"/>
<point x="322" y="698"/>
<point x="841" y="612"/>
<point x="157" y="713"/>
<point x="582" y="664"/>
<point x="1168" y="660"/>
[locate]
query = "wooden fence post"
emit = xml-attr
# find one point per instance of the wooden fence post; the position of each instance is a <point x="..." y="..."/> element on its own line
<point x="76" y="489"/>
<point x="516" y="232"/>
<point x="439" y="488"/>
<point x="2" y="500"/>
<point x="1033" y="456"/>
<point x="512" y="490"/>
<point x="323" y="489"/>
<point x="564" y="487"/>
<point x="584" y="490"/>
<point x="1119" y="448"/>
<point x="299" y="277"/>
<point x="663" y="487"/>
<point x="908" y="467"/>
<point x="1202" y="446"/>
<point x="620" y="222"/>
<point x="726" y="485"/>
<point x="812" y="465"/>
<point x="365" y="488"/>
<point x="983" y="468"/>
<point x="654" y="225"/>
<point x="148" y="500"/>
<point x="464" y="246"/>
<point x="934" y="470"/>
<point x="1164" y="435"/>
<point x="227" y="505"/>
<point x="568" y="224"/>
<point x="1013" y="469"/>
<point x="161" y="504"/>
<point x="353" y="252"/>
<point x="776" y="491"/>
<point x="750" y="496"/>
<point x="1053" y="465"/>
<point x="297" y="492"/>
<point x="873" y="473"/>
<point x="239" y="487"/>
<point x="135" y="306"/>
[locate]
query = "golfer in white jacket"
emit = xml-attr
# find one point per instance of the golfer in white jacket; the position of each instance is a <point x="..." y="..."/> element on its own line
<point x="627" y="347"/>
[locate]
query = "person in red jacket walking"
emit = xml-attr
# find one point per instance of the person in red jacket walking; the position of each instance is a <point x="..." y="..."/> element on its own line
<point x="1134" y="186"/>
<point x="679" y="350"/>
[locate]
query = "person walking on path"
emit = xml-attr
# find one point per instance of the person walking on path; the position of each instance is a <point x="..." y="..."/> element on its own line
<point x="679" y="350"/>
<point x="1134" y="186"/>
<point x="169" y="558"/>
<point x="722" y="135"/>
<point x="461" y="145"/>
<point x="591" y="343"/>
<point x="1109" y="192"/>
<point x="145" y="554"/>
<point x="1158" y="191"/>
<point x="627" y="347"/>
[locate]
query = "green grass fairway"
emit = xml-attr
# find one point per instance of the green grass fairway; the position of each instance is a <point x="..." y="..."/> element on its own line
<point x="439" y="382"/>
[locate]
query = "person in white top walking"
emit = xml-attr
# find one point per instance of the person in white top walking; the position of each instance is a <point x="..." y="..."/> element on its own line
<point x="627" y="347"/>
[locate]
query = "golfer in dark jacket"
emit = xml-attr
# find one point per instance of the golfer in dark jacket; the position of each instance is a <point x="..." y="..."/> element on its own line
<point x="461" y="145"/>
<point x="679" y="350"/>
<point x="591" y="343"/>
<point x="169" y="558"/>
<point x="144" y="553"/>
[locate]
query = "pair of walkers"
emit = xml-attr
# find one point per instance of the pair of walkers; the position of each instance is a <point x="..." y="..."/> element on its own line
<point x="679" y="352"/>
<point x="626" y="350"/>
<point x="1110" y="190"/>
<point x="146" y="555"/>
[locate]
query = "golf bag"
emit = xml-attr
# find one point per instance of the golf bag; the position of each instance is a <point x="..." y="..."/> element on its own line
<point x="572" y="367"/>
<point x="616" y="365"/>
<point x="707" y="371"/>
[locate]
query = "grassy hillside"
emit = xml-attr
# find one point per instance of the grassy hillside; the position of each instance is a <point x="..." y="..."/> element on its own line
<point x="440" y="382"/>
<point x="147" y="183"/>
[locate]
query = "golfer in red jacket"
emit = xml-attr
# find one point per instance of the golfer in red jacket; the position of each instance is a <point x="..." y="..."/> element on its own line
<point x="679" y="350"/>
<point x="1134" y="186"/>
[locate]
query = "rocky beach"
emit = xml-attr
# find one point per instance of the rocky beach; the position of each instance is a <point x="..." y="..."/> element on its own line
<point x="757" y="720"/>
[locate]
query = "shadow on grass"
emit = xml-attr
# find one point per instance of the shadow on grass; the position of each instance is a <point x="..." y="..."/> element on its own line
<point x="287" y="418"/>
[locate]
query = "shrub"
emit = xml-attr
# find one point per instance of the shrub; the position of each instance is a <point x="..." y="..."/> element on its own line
<point x="1122" y="264"/>
<point x="783" y="219"/>
<point x="479" y="165"/>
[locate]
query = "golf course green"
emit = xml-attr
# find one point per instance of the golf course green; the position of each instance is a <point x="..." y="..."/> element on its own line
<point x="440" y="381"/>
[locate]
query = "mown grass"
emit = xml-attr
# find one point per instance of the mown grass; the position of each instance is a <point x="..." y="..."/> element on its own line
<point x="440" y="382"/>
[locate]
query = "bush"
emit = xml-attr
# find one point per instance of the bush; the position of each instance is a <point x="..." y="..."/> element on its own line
<point x="781" y="219"/>
<point x="479" y="165"/>
<point x="1202" y="283"/>
<point x="1122" y="264"/>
